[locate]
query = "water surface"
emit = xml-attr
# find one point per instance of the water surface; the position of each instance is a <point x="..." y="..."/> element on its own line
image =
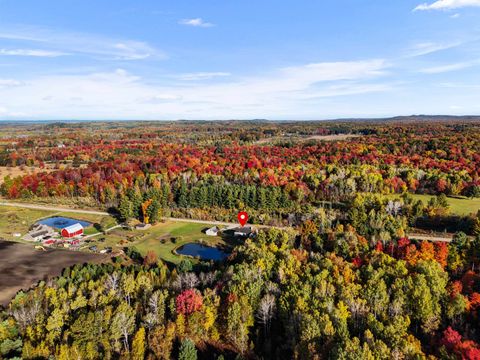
<point x="60" y="222"/>
<point x="204" y="252"/>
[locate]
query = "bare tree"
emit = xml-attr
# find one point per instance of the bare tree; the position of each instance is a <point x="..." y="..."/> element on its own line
<point x="153" y="302"/>
<point x="393" y="208"/>
<point x="112" y="281"/>
<point x="266" y="310"/>
<point x="26" y="314"/>
<point x="189" y="280"/>
<point x="207" y="279"/>
<point x="176" y="283"/>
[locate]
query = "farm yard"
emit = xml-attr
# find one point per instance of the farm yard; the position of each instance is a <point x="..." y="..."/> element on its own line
<point x="15" y="220"/>
<point x="162" y="238"/>
<point x="23" y="265"/>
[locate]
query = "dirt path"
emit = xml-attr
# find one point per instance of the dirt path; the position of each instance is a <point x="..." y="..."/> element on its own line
<point x="432" y="238"/>
<point x="52" y="208"/>
<point x="95" y="212"/>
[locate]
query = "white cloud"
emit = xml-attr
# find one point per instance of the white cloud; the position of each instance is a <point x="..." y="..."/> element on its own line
<point x="348" y="88"/>
<point x="10" y="83"/>
<point x="448" y="5"/>
<point x="198" y="22"/>
<point x="161" y="98"/>
<point x="447" y="68"/>
<point x="109" y="95"/>
<point x="63" y="42"/>
<point x="426" y="48"/>
<point x="6" y="113"/>
<point x="31" y="52"/>
<point x="202" y="76"/>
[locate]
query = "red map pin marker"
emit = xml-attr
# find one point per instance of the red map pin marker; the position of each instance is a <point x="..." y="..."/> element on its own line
<point x="242" y="218"/>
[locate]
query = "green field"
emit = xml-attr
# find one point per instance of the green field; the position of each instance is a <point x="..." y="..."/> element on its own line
<point x="183" y="232"/>
<point x="158" y="238"/>
<point x="458" y="206"/>
<point x="18" y="220"/>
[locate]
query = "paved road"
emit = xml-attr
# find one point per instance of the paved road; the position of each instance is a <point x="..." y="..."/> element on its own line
<point x="416" y="236"/>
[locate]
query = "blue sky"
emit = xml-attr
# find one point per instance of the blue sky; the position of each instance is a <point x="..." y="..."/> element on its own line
<point x="230" y="59"/>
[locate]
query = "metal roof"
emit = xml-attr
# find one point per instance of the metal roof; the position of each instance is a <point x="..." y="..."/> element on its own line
<point x="73" y="228"/>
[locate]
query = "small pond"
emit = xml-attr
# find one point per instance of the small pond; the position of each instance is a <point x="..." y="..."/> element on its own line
<point x="202" y="251"/>
<point x="60" y="222"/>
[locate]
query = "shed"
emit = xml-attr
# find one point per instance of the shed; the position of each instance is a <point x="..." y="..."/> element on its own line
<point x="72" y="230"/>
<point x="212" y="231"/>
<point x="143" y="226"/>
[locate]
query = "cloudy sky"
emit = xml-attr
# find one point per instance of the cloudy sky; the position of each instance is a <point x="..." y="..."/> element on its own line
<point x="230" y="59"/>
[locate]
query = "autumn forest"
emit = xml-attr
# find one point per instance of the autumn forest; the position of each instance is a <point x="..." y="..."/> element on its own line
<point x="368" y="244"/>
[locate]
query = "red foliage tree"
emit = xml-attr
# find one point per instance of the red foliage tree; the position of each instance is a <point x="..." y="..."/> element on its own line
<point x="441" y="253"/>
<point x="451" y="339"/>
<point x="189" y="301"/>
<point x="453" y="343"/>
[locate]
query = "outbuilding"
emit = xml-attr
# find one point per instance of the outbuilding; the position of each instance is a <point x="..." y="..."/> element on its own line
<point x="212" y="231"/>
<point x="72" y="230"/>
<point x="245" y="231"/>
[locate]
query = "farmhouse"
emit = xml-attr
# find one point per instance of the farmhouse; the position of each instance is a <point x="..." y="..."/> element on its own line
<point x="39" y="232"/>
<point x="72" y="230"/>
<point x="212" y="231"/>
<point x="245" y="231"/>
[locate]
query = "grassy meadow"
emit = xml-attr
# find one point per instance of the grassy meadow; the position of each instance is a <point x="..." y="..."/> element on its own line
<point x="458" y="205"/>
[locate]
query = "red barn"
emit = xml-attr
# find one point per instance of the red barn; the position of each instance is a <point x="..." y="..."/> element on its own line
<point x="72" y="230"/>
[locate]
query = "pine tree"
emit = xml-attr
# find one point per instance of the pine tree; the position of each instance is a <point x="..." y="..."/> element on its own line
<point x="182" y="194"/>
<point x="187" y="350"/>
<point x="125" y="209"/>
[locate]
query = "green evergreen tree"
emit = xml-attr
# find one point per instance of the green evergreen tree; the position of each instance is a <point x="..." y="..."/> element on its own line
<point x="187" y="350"/>
<point x="125" y="209"/>
<point x="182" y="193"/>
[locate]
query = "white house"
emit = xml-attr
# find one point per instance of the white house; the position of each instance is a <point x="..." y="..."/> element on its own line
<point x="212" y="231"/>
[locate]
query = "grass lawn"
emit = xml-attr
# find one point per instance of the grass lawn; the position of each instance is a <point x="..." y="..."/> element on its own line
<point x="458" y="206"/>
<point x="19" y="220"/>
<point x="183" y="232"/>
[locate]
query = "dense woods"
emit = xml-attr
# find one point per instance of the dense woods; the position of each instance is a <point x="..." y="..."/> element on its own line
<point x="344" y="298"/>
<point x="342" y="281"/>
<point x="273" y="170"/>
